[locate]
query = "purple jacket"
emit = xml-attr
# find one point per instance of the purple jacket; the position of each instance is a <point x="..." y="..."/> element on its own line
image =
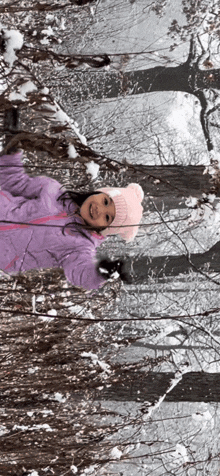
<point x="25" y="199"/>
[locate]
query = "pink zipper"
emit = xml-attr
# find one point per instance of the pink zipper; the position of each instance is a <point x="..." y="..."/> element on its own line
<point x="37" y="221"/>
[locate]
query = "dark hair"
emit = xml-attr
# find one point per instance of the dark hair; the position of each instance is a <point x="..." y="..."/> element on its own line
<point x="78" y="198"/>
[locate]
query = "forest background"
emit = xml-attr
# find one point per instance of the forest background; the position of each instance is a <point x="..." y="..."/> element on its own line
<point x="124" y="380"/>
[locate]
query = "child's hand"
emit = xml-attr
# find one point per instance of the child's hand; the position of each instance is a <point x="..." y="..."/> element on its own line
<point x="110" y="269"/>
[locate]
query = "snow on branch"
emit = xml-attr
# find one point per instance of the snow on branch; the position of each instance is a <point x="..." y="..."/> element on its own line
<point x="174" y="382"/>
<point x="12" y="40"/>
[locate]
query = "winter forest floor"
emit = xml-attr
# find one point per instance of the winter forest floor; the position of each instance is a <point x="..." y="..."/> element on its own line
<point x="125" y="380"/>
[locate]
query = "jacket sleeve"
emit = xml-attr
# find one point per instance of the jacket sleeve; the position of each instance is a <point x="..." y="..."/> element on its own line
<point x="80" y="270"/>
<point x="14" y="179"/>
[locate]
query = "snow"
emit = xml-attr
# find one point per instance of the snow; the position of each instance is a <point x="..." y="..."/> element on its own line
<point x="93" y="169"/>
<point x="81" y="136"/>
<point x="49" y="17"/>
<point x="45" y="90"/>
<point x="23" y="90"/>
<point x="214" y="156"/>
<point x="72" y="151"/>
<point x="103" y="365"/>
<point x="116" y="453"/>
<point x="40" y="298"/>
<point x="89" y="470"/>
<point x="184" y="109"/>
<point x="180" y="454"/>
<point x="44" y="41"/>
<point x="90" y="355"/>
<point x="14" y="42"/>
<point x="78" y="310"/>
<point x="74" y="469"/>
<point x="52" y="312"/>
<point x="62" y="23"/>
<point x="206" y="216"/>
<point x="44" y="426"/>
<point x="46" y="412"/>
<point x="62" y="117"/>
<point x="33" y="473"/>
<point x="33" y="370"/>
<point x="3" y="430"/>
<point x="48" y="32"/>
<point x="59" y="397"/>
<point x="92" y="11"/>
<point x="115" y="275"/>
<point x="191" y="202"/>
<point x="27" y="87"/>
<point x="3" y="86"/>
<point x="73" y="308"/>
<point x="103" y="270"/>
<point x="203" y="418"/>
<point x="173" y="383"/>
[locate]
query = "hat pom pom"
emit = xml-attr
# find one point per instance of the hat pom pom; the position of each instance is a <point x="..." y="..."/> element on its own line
<point x="138" y="190"/>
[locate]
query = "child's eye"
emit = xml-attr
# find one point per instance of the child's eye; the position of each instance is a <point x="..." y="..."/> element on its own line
<point x="107" y="218"/>
<point x="106" y="201"/>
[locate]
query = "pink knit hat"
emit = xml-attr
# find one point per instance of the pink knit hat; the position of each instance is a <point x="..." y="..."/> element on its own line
<point x="128" y="208"/>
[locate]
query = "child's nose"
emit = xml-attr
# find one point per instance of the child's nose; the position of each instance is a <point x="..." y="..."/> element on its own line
<point x="99" y="211"/>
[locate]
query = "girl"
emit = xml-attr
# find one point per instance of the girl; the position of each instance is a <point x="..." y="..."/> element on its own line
<point x="41" y="227"/>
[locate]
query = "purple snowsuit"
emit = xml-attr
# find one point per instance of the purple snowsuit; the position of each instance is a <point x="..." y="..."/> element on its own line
<point x="25" y="199"/>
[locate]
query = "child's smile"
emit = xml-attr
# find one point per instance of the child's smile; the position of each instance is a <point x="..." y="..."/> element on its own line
<point x="98" y="210"/>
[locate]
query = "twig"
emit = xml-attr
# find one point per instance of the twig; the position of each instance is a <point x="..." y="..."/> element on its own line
<point x="204" y="118"/>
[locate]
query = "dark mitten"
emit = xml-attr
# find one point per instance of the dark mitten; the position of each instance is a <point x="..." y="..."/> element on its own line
<point x="11" y="126"/>
<point x="107" y="268"/>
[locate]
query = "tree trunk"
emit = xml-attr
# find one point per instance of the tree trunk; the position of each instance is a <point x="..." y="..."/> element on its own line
<point x="161" y="266"/>
<point x="141" y="387"/>
<point x="104" y="85"/>
<point x="170" y="182"/>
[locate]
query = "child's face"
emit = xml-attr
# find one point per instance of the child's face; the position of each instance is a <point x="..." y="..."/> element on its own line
<point x="98" y="210"/>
